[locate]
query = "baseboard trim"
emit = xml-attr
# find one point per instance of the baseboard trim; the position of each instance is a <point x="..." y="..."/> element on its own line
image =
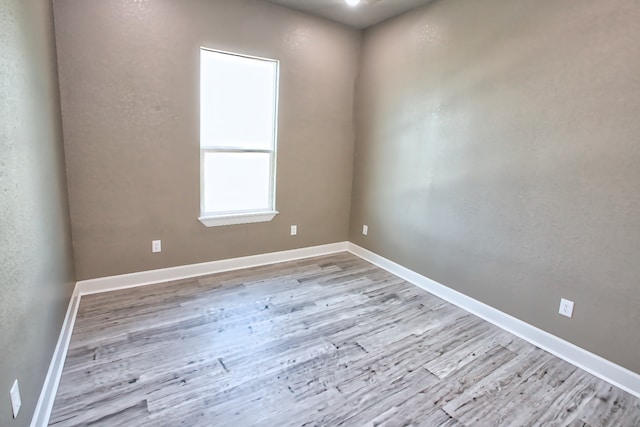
<point x="583" y="359"/>
<point x="43" y="409"/>
<point x="52" y="380"/>
<point x="596" y="365"/>
<point x="124" y="281"/>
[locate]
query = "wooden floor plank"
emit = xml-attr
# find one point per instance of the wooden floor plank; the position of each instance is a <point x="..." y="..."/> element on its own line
<point x="323" y="341"/>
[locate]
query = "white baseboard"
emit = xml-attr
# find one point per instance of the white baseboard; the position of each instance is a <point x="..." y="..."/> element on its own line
<point x="124" y="281"/>
<point x="50" y="387"/>
<point x="592" y="363"/>
<point x="602" y="368"/>
<point x="86" y="287"/>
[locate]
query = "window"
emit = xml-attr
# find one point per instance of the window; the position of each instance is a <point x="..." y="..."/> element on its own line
<point x="238" y="116"/>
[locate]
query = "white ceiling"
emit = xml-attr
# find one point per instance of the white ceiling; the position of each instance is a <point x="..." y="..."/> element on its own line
<point x="367" y="13"/>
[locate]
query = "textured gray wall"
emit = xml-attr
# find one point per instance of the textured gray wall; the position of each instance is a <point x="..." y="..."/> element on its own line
<point x="129" y="77"/>
<point x="36" y="273"/>
<point x="498" y="153"/>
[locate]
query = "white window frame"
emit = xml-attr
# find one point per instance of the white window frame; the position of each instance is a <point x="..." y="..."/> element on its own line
<point x="213" y="219"/>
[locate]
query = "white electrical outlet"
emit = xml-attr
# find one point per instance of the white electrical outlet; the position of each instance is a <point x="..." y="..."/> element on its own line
<point x="566" y="307"/>
<point x="365" y="229"/>
<point x="294" y="230"/>
<point x="156" y="246"/>
<point x="16" y="402"/>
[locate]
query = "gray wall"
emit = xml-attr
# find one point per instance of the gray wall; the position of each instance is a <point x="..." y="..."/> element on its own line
<point x="129" y="77"/>
<point x="36" y="273"/>
<point x="498" y="153"/>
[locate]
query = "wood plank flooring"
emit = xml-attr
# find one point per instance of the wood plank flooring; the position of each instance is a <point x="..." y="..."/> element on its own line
<point x="324" y="341"/>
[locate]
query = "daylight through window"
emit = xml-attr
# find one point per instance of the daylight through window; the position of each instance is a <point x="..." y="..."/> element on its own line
<point x="238" y="116"/>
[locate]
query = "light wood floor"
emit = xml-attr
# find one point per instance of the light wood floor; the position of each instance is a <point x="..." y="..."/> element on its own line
<point x="320" y="342"/>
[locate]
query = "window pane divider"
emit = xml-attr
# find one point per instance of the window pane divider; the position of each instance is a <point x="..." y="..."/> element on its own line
<point x="236" y="150"/>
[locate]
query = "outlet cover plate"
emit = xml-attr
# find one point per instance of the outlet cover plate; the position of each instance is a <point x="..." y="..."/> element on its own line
<point x="16" y="401"/>
<point x="365" y="229"/>
<point x="156" y="246"/>
<point x="294" y="230"/>
<point x="566" y="307"/>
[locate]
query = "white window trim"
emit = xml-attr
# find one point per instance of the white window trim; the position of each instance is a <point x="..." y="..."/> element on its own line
<point x="237" y="218"/>
<point x="221" y="219"/>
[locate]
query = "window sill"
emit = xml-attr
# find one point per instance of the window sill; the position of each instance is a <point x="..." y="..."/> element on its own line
<point x="242" y="218"/>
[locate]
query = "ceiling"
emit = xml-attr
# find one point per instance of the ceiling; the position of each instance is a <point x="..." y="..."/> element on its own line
<point x="367" y="13"/>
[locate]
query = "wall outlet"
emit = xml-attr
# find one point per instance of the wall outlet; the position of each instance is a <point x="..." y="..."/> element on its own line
<point x="156" y="246"/>
<point x="566" y="307"/>
<point x="294" y="230"/>
<point x="365" y="229"/>
<point x="16" y="402"/>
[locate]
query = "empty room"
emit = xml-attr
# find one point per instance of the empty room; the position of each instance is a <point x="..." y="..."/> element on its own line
<point x="319" y="213"/>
